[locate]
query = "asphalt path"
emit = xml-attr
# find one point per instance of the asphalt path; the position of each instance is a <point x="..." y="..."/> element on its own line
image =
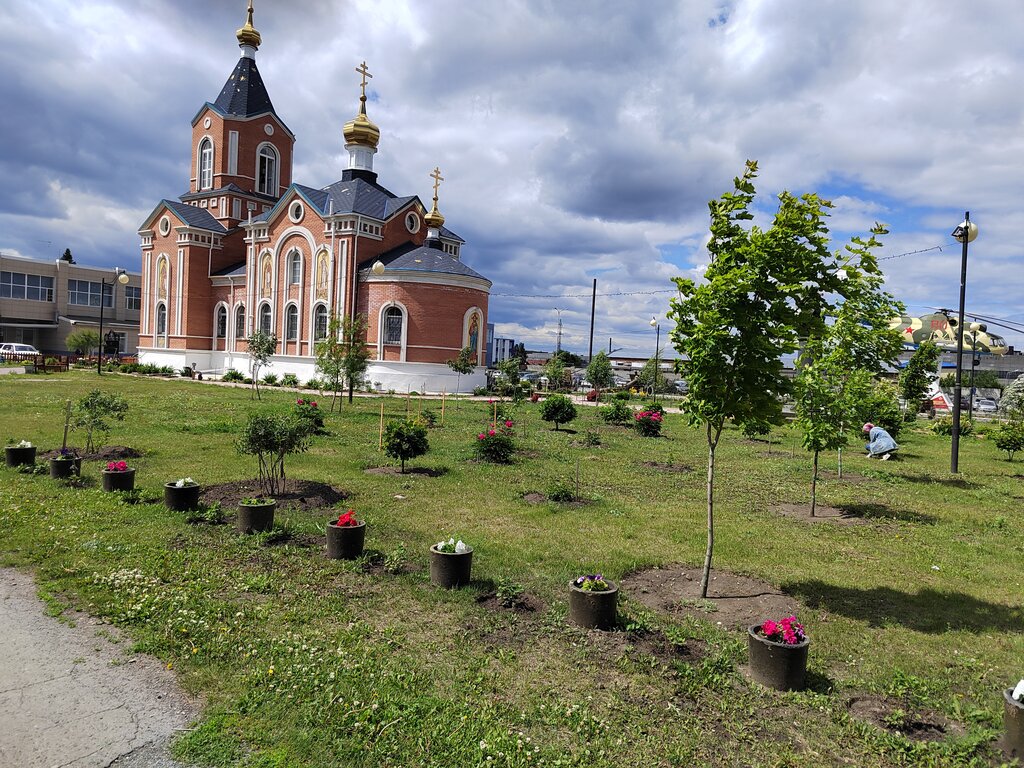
<point x="74" y="696"/>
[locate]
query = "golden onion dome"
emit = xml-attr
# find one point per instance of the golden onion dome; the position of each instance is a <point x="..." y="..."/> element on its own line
<point x="359" y="130"/>
<point x="248" y="35"/>
<point x="434" y="218"/>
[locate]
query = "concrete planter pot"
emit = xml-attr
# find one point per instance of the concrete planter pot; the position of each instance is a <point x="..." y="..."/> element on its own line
<point x="16" y="457"/>
<point x="594" y="609"/>
<point x="1013" y="724"/>
<point x="777" y="665"/>
<point x="118" y="481"/>
<point x="181" y="499"/>
<point x="255" y="518"/>
<point x="450" y="569"/>
<point x="345" y="542"/>
<point x="64" y="468"/>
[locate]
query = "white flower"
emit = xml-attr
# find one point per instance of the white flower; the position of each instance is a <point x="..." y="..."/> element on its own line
<point x="24" y="444"/>
<point x="184" y="481"/>
<point x="440" y="544"/>
<point x="461" y="547"/>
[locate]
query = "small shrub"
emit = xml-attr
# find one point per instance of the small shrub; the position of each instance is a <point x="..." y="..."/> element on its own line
<point x="404" y="440"/>
<point x="308" y="412"/>
<point x="561" y="493"/>
<point x="654" y="407"/>
<point x="270" y="438"/>
<point x="944" y="426"/>
<point x="394" y="560"/>
<point x="232" y="375"/>
<point x="39" y="468"/>
<point x="94" y="411"/>
<point x="480" y="391"/>
<point x="289" y="380"/>
<point x="591" y="395"/>
<point x="429" y="418"/>
<point x="166" y="370"/>
<point x="591" y="438"/>
<point x="270" y="379"/>
<point x="315" y="383"/>
<point x="1010" y="438"/>
<point x="495" y="444"/>
<point x="508" y="591"/>
<point x="647" y="423"/>
<point x="618" y="412"/>
<point x="624" y="395"/>
<point x="559" y="409"/>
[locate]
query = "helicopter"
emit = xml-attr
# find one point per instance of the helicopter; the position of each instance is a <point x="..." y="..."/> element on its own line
<point x="940" y="328"/>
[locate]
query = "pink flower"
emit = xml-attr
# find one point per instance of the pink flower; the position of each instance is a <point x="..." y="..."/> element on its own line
<point x="300" y="401"/>
<point x="769" y="628"/>
<point x="490" y="432"/>
<point x="481" y="436"/>
<point x="313" y="404"/>
<point x="508" y="424"/>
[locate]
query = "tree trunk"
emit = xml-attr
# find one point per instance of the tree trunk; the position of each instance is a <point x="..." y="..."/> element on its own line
<point x="706" y="575"/>
<point x="458" y="380"/>
<point x="814" y="484"/>
<point x="840" y="471"/>
<point x="351" y="387"/>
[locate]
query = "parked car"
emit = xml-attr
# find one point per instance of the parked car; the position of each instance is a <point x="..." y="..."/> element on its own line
<point x="11" y="350"/>
<point x="986" y="405"/>
<point x="680" y="386"/>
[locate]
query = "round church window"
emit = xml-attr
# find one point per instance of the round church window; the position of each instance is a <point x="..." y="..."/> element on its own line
<point x="412" y="223"/>
<point x="295" y="212"/>
<point x="268" y="129"/>
<point x="165" y="225"/>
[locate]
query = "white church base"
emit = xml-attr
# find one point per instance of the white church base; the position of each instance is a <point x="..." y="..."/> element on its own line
<point x="381" y="376"/>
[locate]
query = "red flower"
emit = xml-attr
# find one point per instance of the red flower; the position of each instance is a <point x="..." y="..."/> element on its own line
<point x="347" y="519"/>
<point x="490" y="432"/>
<point x="508" y="424"/>
<point x="482" y="436"/>
<point x="313" y="404"/>
<point x="300" y="401"/>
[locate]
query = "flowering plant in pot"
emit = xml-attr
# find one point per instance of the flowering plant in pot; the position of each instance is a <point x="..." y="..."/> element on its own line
<point x="450" y="563"/>
<point x="65" y="464"/>
<point x="345" y="536"/>
<point x="182" y="494"/>
<point x="593" y="601"/>
<point x="118" y="476"/>
<point x="778" y="653"/>
<point x="20" y="453"/>
<point x="255" y="515"/>
<point x="1013" y="721"/>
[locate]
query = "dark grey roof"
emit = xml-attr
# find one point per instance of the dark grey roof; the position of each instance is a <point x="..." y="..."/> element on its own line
<point x="194" y="216"/>
<point x="244" y="94"/>
<point x="420" y="258"/>
<point x="232" y="187"/>
<point x="234" y="270"/>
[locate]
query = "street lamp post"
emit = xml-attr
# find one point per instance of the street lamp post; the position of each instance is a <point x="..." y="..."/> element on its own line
<point x="657" y="343"/>
<point x="120" y="276"/>
<point x="965" y="233"/>
<point x="558" y="343"/>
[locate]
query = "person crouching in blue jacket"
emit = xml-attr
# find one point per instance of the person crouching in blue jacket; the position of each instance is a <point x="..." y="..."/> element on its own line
<point x="881" y="444"/>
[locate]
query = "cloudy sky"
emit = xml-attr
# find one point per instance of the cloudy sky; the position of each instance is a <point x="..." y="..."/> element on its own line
<point x="579" y="139"/>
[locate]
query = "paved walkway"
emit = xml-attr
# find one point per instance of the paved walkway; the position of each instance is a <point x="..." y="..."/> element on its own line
<point x="72" y="698"/>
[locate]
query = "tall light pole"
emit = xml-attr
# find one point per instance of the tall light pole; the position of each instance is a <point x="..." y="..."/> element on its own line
<point x="965" y="233"/>
<point x="657" y="343"/>
<point x="120" y="276"/>
<point x="558" y="344"/>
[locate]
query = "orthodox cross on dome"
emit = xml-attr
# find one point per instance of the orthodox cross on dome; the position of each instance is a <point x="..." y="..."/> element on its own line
<point x="438" y="178"/>
<point x="248" y="35"/>
<point x="362" y="70"/>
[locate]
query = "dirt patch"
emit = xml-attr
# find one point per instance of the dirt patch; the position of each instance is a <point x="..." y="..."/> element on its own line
<point x="110" y="453"/>
<point x="734" y="601"/>
<point x="305" y="495"/>
<point x="427" y="471"/>
<point x="524" y="603"/>
<point x="534" y="498"/>
<point x="892" y="716"/>
<point x="666" y="467"/>
<point x="851" y="478"/>
<point x="614" y="645"/>
<point x="822" y="514"/>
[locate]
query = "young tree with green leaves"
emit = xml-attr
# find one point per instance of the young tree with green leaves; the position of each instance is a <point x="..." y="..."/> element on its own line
<point x="763" y="291"/>
<point x="94" y="411"/>
<point x="556" y="373"/>
<point x="599" y="372"/>
<point x="261" y="347"/>
<point x="271" y="438"/>
<point x="343" y="356"/>
<point x="83" y="341"/>
<point x="559" y="409"/>
<point x="919" y="373"/>
<point x="404" y="440"/>
<point x="464" y="364"/>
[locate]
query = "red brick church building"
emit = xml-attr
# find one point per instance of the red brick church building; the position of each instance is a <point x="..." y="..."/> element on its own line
<point x="247" y="248"/>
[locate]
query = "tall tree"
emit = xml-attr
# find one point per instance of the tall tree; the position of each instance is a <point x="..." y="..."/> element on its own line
<point x="599" y="372"/>
<point x="463" y="364"/>
<point x="917" y="377"/>
<point x="261" y="347"/>
<point x="330" y="354"/>
<point x="83" y="341"/>
<point x="66" y="256"/>
<point x="763" y="290"/>
<point x="355" y="359"/>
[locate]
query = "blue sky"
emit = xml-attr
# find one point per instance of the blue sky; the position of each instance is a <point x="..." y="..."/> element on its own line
<point x="578" y="139"/>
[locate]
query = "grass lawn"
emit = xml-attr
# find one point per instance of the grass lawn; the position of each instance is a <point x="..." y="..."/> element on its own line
<point x="302" y="661"/>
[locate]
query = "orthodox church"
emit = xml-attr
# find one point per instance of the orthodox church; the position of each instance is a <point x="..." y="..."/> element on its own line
<point x="247" y="248"/>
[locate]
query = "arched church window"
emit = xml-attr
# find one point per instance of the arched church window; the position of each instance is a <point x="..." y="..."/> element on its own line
<point x="294" y="267"/>
<point x="161" y="319"/>
<point x="240" y="321"/>
<point x="393" y="325"/>
<point x="206" y="164"/>
<point x="222" y="322"/>
<point x="266" y="170"/>
<point x="291" y="323"/>
<point x="265" y="320"/>
<point x="319" y="322"/>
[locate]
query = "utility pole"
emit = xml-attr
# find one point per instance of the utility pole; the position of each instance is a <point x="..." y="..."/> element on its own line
<point x="593" y="306"/>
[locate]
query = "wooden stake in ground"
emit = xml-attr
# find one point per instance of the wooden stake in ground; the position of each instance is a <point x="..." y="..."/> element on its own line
<point x="442" y="406"/>
<point x="67" y="423"/>
<point x="407" y="396"/>
<point x="495" y="419"/>
<point x="380" y="437"/>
